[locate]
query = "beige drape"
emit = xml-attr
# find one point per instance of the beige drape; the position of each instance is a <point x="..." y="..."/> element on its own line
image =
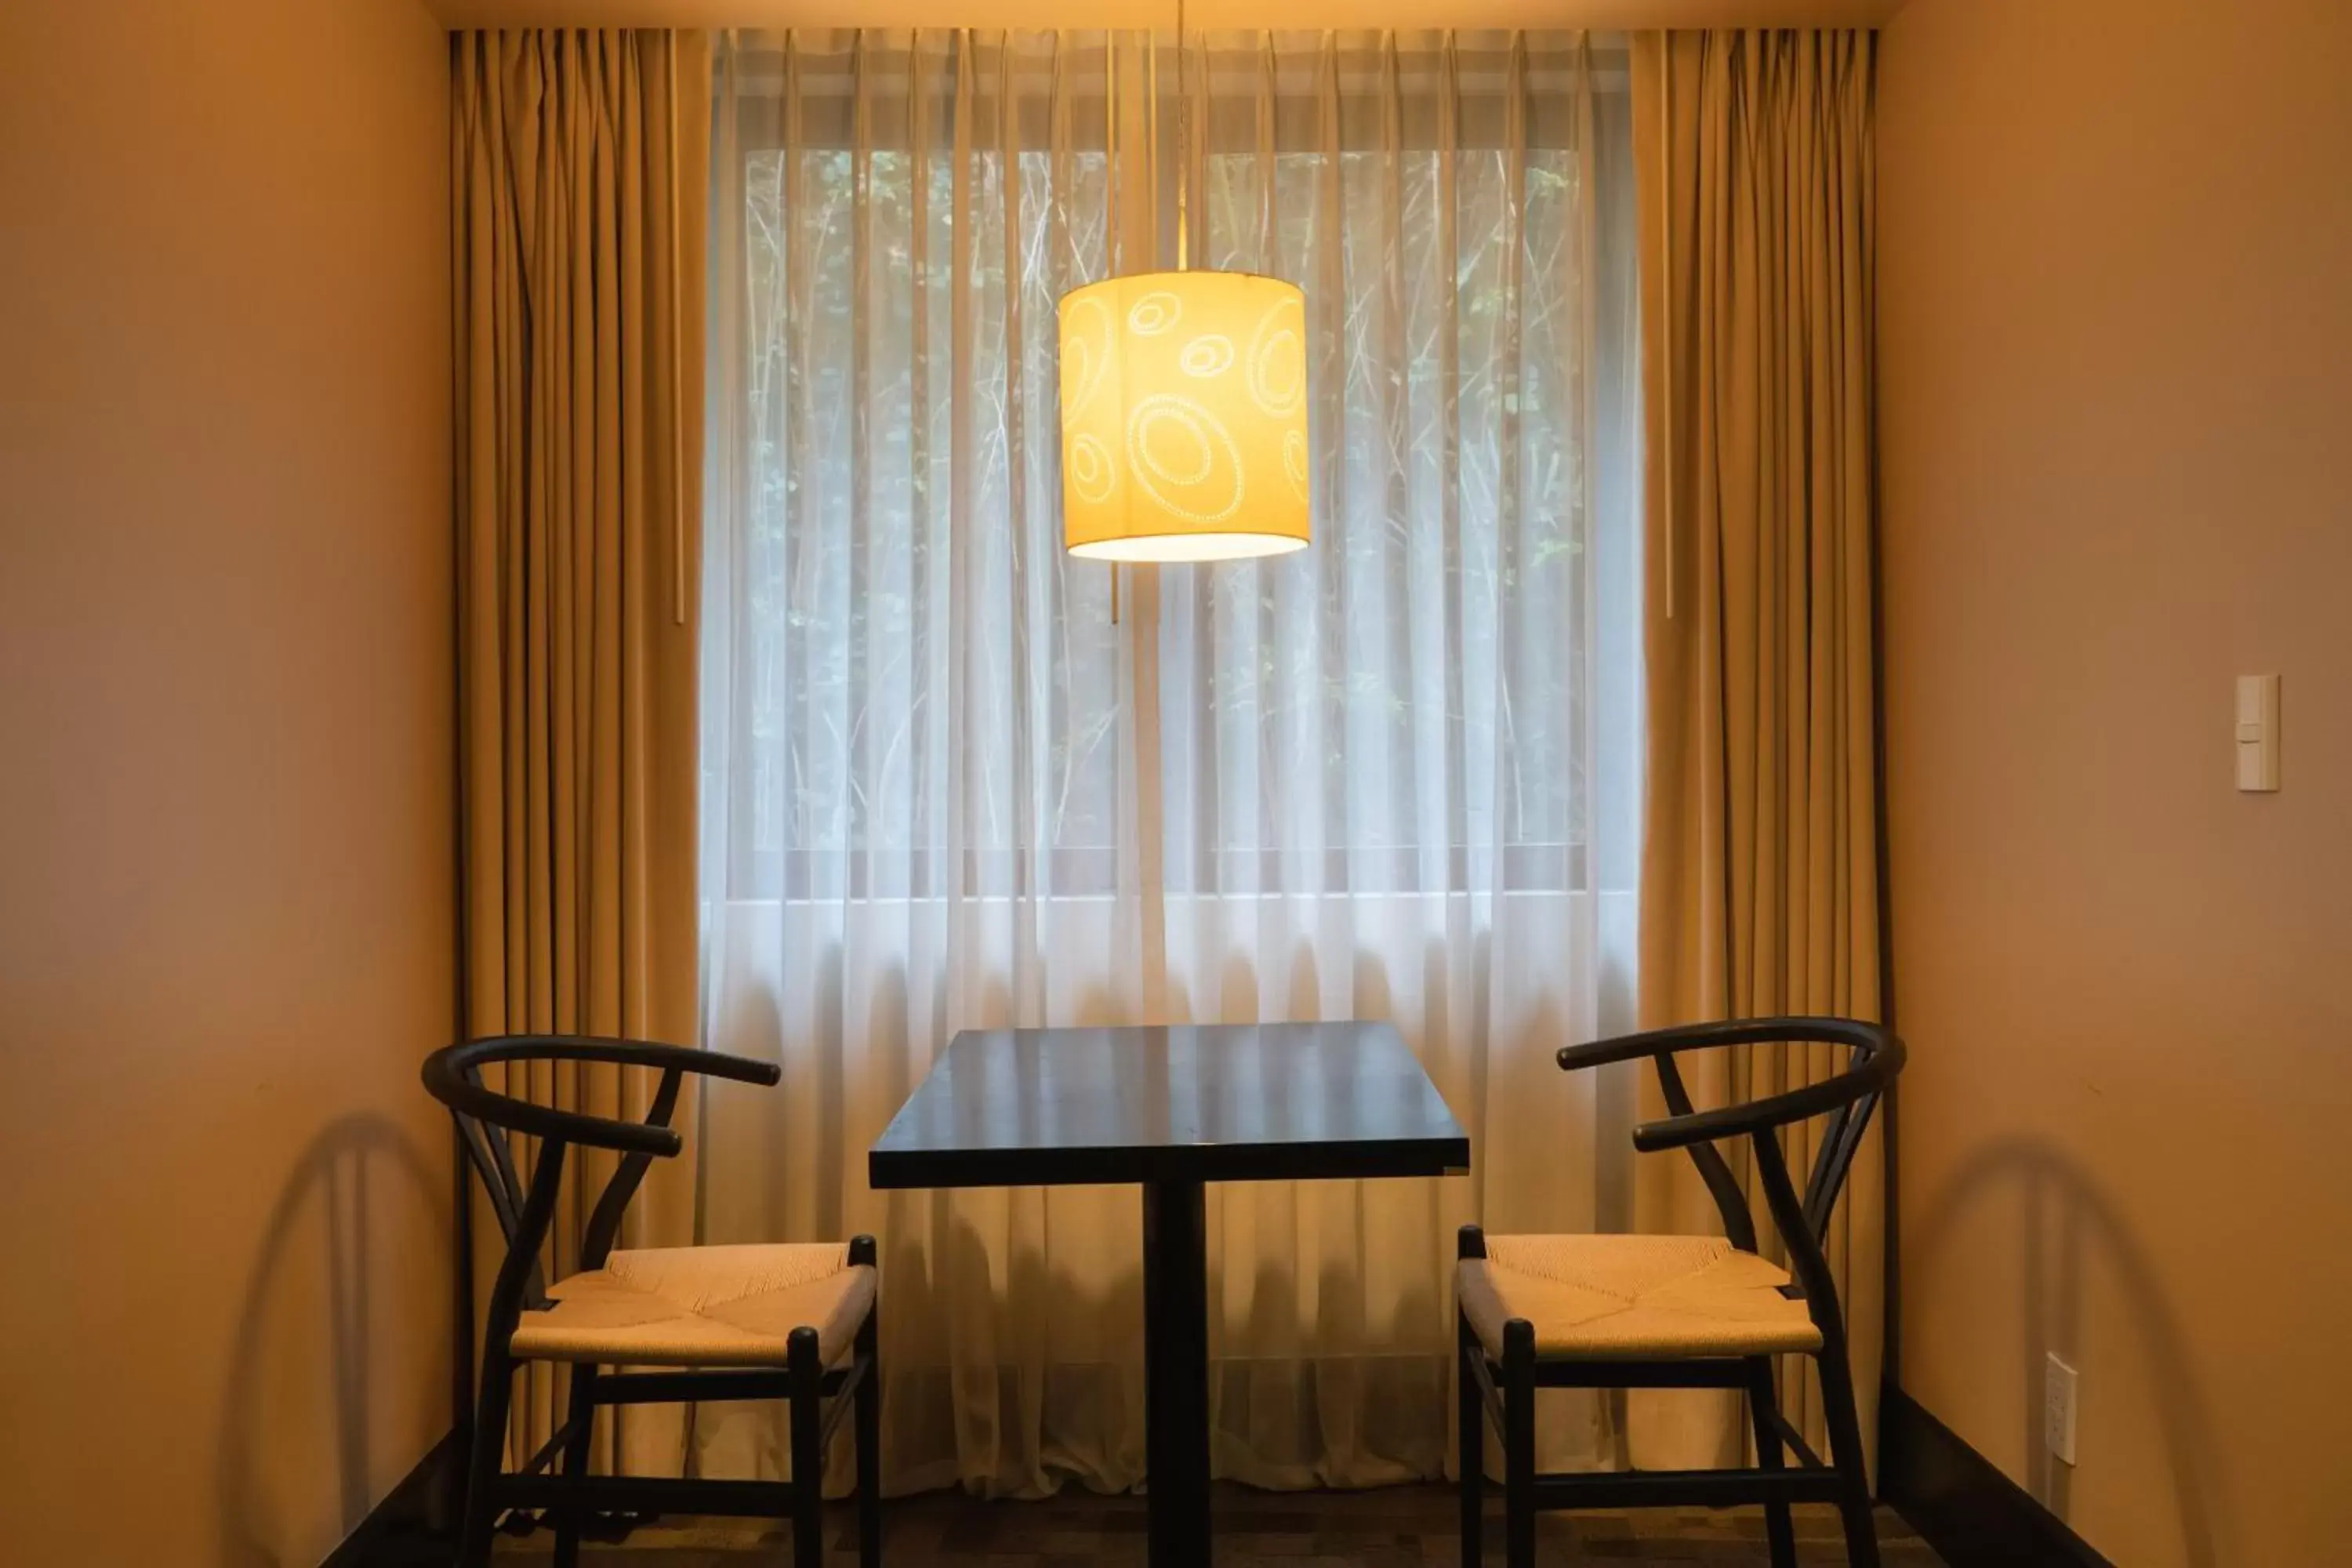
<point x="1759" y="891"/>
<point x="578" y="222"/>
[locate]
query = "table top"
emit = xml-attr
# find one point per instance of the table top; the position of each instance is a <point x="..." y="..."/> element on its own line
<point x="1244" y="1103"/>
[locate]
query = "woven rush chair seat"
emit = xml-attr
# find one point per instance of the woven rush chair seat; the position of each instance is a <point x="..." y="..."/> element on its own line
<point x="1607" y="1313"/>
<point x="1634" y="1296"/>
<point x="798" y="1323"/>
<point x="702" y="1306"/>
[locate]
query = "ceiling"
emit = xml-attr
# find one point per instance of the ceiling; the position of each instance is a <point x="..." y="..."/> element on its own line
<point x="1614" y="14"/>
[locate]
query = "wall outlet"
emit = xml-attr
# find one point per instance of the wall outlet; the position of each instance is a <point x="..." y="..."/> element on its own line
<point x="2058" y="1411"/>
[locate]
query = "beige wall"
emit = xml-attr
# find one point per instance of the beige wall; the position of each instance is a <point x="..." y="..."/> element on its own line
<point x="2117" y="316"/>
<point x="225" y="909"/>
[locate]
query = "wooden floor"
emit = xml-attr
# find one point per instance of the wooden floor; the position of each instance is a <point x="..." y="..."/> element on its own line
<point x="1401" y="1527"/>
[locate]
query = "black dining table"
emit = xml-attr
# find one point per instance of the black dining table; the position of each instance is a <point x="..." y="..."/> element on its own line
<point x="1171" y="1108"/>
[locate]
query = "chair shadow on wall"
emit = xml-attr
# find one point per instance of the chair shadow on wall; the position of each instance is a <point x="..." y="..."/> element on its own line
<point x="2065" y="1222"/>
<point x="360" y="1171"/>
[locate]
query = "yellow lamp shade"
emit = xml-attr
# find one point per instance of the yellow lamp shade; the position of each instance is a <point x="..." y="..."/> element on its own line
<point x="1184" y="417"/>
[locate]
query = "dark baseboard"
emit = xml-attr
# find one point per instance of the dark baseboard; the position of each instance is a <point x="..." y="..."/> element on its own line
<point x="415" y="1521"/>
<point x="1974" y="1516"/>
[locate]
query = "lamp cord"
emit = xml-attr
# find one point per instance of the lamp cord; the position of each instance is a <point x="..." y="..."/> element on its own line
<point x="1110" y="219"/>
<point x="1184" y="143"/>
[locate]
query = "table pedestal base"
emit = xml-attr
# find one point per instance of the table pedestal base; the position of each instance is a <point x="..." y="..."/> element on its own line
<point x="1176" y="1370"/>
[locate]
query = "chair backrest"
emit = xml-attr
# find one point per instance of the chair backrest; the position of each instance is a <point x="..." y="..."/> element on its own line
<point x="1847" y="1097"/>
<point x="486" y="1118"/>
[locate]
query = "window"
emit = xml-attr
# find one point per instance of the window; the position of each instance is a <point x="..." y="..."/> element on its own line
<point x="912" y="692"/>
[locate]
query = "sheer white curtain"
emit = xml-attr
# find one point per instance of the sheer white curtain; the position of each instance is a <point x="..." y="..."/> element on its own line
<point x="1392" y="776"/>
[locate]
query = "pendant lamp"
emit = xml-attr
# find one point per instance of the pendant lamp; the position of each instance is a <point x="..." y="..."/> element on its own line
<point x="1183" y="408"/>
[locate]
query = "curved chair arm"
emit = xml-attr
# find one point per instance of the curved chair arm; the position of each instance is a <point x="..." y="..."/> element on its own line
<point x="450" y="1077"/>
<point x="1877" y="1056"/>
<point x="1848" y="1096"/>
<point x="1726" y="1032"/>
<point x="626" y="1053"/>
<point x="1865" y="1077"/>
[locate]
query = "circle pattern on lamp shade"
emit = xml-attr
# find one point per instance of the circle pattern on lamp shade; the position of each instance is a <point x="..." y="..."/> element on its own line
<point x="1091" y="472"/>
<point x="1156" y="313"/>
<point x="1086" y="350"/>
<point x="1184" y="417"/>
<point x="1210" y="353"/>
<point x="1183" y="458"/>
<point x="1277" y="358"/>
<point x="1294" y="461"/>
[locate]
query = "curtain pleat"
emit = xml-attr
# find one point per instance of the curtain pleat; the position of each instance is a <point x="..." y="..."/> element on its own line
<point x="1760" y="874"/>
<point x="578" y="279"/>
<point x="1394" y="776"/>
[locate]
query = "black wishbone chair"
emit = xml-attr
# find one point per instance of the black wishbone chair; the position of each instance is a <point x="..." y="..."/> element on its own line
<point x="1673" y="1311"/>
<point x="795" y="1322"/>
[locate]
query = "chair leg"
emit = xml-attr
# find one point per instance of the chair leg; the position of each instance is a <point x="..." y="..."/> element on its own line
<point x="806" y="1372"/>
<point x="1470" y="1417"/>
<point x="1762" y="1401"/>
<point x="580" y="1415"/>
<point x="1519" y="1443"/>
<point x="1846" y="1456"/>
<point x="868" y="1416"/>
<point x="483" y="1464"/>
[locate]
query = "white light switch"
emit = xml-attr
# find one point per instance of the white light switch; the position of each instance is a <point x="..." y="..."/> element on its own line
<point x="2258" y="736"/>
